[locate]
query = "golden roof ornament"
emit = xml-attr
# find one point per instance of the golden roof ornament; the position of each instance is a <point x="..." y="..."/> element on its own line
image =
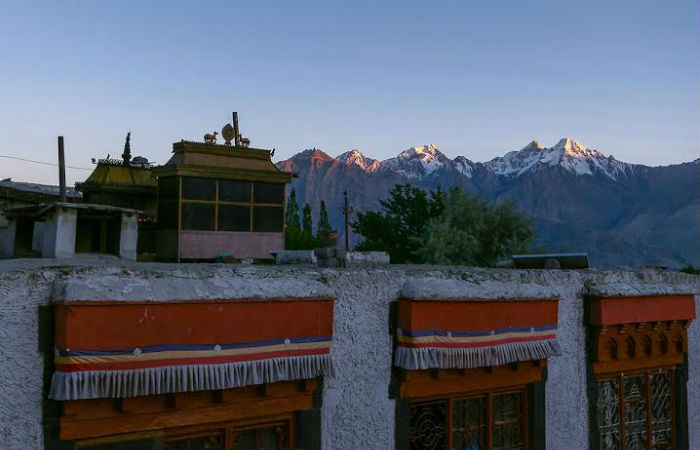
<point x="228" y="133"/>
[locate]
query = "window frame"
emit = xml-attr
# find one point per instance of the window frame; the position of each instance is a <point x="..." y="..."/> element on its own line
<point x="229" y="429"/>
<point x="648" y="372"/>
<point x="524" y="391"/>
<point x="251" y="205"/>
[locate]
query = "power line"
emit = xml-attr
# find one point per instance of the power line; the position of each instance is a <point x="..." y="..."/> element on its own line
<point x="44" y="163"/>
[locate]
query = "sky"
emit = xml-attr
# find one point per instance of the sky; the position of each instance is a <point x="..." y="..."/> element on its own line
<point x="475" y="78"/>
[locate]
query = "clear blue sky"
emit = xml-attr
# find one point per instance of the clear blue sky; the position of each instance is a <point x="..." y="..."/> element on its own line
<point x="475" y="78"/>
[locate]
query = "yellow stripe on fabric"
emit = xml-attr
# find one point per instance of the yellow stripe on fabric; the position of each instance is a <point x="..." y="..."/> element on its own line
<point x="468" y="339"/>
<point x="188" y="354"/>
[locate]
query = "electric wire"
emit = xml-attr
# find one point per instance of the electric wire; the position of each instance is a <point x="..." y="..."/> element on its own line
<point x="42" y="162"/>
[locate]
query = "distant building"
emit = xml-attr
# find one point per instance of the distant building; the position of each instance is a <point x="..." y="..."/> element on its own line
<point x="22" y="237"/>
<point x="219" y="199"/>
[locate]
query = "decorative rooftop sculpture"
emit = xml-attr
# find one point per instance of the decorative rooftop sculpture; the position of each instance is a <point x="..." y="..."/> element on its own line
<point x="228" y="133"/>
<point x="210" y="138"/>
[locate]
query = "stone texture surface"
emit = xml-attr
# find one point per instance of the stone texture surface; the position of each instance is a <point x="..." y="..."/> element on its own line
<point x="21" y="360"/>
<point x="357" y="411"/>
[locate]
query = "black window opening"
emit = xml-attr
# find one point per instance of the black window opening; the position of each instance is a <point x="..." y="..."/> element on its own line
<point x="198" y="216"/>
<point x="269" y="193"/>
<point x="235" y="191"/>
<point x="199" y="189"/>
<point x="234" y="218"/>
<point x="267" y="219"/>
<point x="223" y="205"/>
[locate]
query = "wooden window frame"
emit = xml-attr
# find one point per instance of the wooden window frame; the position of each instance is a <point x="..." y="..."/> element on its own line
<point x="489" y="394"/>
<point x="229" y="429"/>
<point x="216" y="202"/>
<point x="648" y="372"/>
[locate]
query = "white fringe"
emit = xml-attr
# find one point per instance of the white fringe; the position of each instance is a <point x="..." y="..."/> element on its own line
<point x="470" y="358"/>
<point x="185" y="378"/>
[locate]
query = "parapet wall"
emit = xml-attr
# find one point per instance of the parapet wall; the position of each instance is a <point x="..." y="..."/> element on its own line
<point x="357" y="408"/>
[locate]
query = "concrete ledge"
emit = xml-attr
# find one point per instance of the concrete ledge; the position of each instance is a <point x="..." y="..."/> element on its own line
<point x="294" y="256"/>
<point x="367" y="258"/>
<point x="418" y="288"/>
<point x="110" y="288"/>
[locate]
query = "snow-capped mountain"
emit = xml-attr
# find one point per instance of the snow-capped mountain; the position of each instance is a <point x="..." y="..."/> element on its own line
<point x="464" y="166"/>
<point x="426" y="161"/>
<point x="417" y="162"/>
<point x="567" y="154"/>
<point x="357" y="158"/>
<point x="579" y="199"/>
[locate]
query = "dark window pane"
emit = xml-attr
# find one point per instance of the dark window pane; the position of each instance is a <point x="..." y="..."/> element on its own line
<point x="269" y="193"/>
<point x="635" y="412"/>
<point x="234" y="191"/>
<point x="234" y="218"/>
<point x="199" y="188"/>
<point x="197" y="216"/>
<point x="267" y="219"/>
<point x="167" y="215"/>
<point x="428" y="426"/>
<point x="661" y="410"/>
<point x="608" y="409"/>
<point x="469" y="423"/>
<point x="167" y="188"/>
<point x="202" y="442"/>
<point x="507" y="422"/>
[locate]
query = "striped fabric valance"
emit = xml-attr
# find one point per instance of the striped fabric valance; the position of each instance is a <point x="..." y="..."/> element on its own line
<point x="127" y="349"/>
<point x="470" y="333"/>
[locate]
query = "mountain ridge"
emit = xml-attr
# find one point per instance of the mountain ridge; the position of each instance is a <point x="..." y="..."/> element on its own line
<point x="579" y="198"/>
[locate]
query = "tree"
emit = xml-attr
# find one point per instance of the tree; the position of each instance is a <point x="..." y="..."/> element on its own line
<point x="471" y="231"/>
<point x="401" y="219"/>
<point x="415" y="226"/>
<point x="292" y="230"/>
<point x="307" y="234"/>
<point x="323" y="223"/>
<point x="291" y="218"/>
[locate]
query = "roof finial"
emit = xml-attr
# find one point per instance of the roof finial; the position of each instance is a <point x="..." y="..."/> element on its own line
<point x="126" y="156"/>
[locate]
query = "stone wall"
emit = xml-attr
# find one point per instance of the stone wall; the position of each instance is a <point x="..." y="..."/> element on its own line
<point x="357" y="410"/>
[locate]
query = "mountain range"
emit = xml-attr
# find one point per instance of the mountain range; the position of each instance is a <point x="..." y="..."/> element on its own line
<point x="622" y="214"/>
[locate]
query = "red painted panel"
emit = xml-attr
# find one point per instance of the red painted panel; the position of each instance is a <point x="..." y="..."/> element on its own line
<point x="475" y="314"/>
<point x="110" y="325"/>
<point x="660" y="308"/>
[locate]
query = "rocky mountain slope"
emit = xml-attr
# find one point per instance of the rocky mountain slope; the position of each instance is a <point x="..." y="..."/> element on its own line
<point x="580" y="199"/>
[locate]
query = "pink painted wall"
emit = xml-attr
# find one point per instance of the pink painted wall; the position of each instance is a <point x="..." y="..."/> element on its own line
<point x="208" y="244"/>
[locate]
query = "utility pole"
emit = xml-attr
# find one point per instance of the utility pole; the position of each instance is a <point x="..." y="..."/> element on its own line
<point x="347" y="211"/>
<point x="61" y="171"/>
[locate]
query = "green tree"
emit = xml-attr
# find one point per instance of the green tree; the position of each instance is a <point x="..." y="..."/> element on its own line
<point x="435" y="227"/>
<point x="307" y="234"/>
<point x="292" y="230"/>
<point x="400" y="220"/>
<point x="323" y="223"/>
<point x="471" y="231"/>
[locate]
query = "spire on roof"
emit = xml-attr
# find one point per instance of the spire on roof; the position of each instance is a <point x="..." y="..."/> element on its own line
<point x="126" y="156"/>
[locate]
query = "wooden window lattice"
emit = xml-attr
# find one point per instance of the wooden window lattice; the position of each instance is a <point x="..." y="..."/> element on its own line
<point x="635" y="411"/>
<point x="493" y="421"/>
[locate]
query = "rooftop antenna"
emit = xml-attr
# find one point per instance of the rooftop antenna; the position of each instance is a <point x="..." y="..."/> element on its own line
<point x="236" y="135"/>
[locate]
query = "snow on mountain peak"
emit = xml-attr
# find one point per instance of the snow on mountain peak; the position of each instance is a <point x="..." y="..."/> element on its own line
<point x="567" y="153"/>
<point x="355" y="157"/>
<point x="417" y="162"/>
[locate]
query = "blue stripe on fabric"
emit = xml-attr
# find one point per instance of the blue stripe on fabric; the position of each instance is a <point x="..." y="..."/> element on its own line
<point x="434" y="332"/>
<point x="191" y="347"/>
